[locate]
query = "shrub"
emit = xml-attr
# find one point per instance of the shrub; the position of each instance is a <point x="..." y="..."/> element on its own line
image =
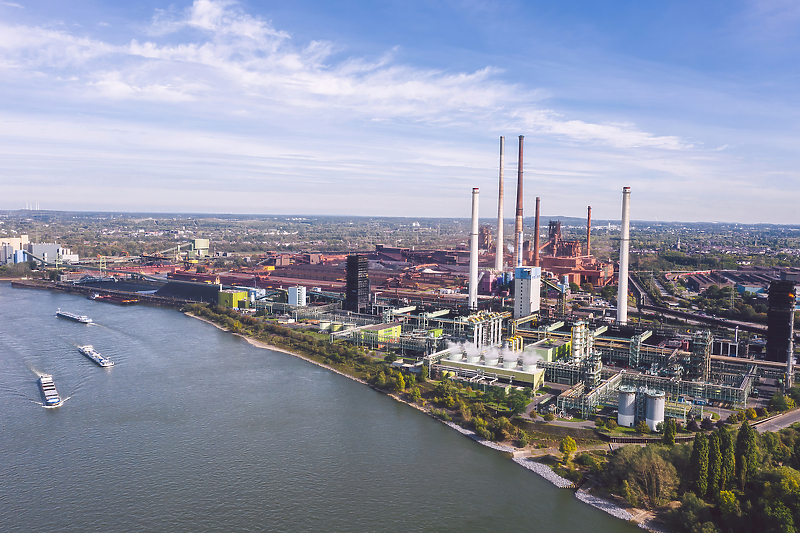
<point x="549" y="417"/>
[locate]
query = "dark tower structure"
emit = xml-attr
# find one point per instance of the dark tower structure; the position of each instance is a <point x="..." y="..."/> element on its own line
<point x="780" y="320"/>
<point x="357" y="295"/>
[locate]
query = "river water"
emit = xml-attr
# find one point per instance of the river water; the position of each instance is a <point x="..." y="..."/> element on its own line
<point x="196" y="430"/>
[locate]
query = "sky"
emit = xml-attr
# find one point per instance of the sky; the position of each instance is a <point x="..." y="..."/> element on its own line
<point x="396" y="107"/>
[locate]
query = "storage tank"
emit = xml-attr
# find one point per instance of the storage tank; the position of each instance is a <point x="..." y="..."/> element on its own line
<point x="654" y="409"/>
<point x="473" y="358"/>
<point x="455" y="355"/>
<point x="324" y="325"/>
<point x="510" y="362"/>
<point x="490" y="359"/>
<point x="627" y="407"/>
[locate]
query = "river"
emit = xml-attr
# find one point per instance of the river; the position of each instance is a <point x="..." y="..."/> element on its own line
<point x="196" y="430"/>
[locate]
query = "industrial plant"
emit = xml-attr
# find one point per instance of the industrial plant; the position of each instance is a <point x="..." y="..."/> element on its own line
<point x="496" y="333"/>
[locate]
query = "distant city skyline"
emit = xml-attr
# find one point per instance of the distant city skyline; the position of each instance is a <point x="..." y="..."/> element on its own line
<point x="396" y="109"/>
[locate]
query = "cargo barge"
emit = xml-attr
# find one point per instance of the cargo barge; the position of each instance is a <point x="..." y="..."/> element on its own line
<point x="49" y="392"/>
<point x="95" y="356"/>
<point x="83" y="319"/>
<point x="113" y="299"/>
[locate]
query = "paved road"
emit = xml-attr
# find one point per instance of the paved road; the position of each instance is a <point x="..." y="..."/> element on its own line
<point x="779" y="422"/>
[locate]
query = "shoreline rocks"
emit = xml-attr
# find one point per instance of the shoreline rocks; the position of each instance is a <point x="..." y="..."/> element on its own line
<point x="604" y="505"/>
<point x="544" y="471"/>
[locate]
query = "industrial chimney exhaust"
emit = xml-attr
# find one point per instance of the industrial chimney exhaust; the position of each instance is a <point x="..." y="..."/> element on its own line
<point x="518" y="220"/>
<point x="473" y="253"/>
<point x="498" y="260"/>
<point x="536" y="236"/>
<point x="624" y="248"/>
<point x="589" y="232"/>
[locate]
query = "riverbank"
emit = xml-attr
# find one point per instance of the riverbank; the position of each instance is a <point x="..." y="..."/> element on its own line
<point x="526" y="462"/>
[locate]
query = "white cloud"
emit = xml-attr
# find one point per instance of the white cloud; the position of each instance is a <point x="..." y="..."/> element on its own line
<point x="213" y="52"/>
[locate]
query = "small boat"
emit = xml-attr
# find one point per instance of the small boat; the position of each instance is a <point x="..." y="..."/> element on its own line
<point x="95" y="356"/>
<point x="51" y="397"/>
<point x="83" y="319"/>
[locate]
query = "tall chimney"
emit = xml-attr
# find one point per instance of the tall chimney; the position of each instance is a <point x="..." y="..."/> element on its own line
<point x="473" y="253"/>
<point x="589" y="232"/>
<point x="518" y="221"/>
<point x="624" y="246"/>
<point x="498" y="260"/>
<point x="536" y="236"/>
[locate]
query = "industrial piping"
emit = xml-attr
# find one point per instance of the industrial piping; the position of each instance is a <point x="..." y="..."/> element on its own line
<point x="498" y="260"/>
<point x="518" y="220"/>
<point x="536" y="236"/>
<point x="473" y="253"/>
<point x="624" y="248"/>
<point x="589" y="232"/>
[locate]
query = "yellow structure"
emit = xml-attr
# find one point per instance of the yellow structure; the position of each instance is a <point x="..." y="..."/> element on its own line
<point x="381" y="332"/>
<point x="233" y="298"/>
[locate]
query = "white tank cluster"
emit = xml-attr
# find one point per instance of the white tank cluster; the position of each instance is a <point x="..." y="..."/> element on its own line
<point x="654" y="402"/>
<point x="654" y="408"/>
<point x="627" y="407"/>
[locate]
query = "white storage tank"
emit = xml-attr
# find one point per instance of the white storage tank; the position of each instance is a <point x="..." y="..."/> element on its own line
<point x="627" y="406"/>
<point x="510" y="361"/>
<point x="654" y="409"/>
<point x="455" y="355"/>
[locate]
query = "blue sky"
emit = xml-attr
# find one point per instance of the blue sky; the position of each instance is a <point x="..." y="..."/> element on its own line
<point x="395" y="108"/>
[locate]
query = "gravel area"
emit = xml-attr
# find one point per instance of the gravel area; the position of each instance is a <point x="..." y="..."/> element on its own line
<point x="474" y="436"/>
<point x="603" y="505"/>
<point x="544" y="471"/>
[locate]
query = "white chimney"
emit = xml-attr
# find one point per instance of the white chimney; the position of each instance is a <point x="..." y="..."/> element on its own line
<point x="473" y="253"/>
<point x="624" y="248"/>
<point x="498" y="260"/>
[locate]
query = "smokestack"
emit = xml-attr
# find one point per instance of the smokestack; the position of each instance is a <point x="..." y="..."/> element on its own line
<point x="536" y="236"/>
<point x="473" y="253"/>
<point x="498" y="260"/>
<point x="519" y="247"/>
<point x="518" y="221"/>
<point x="589" y="232"/>
<point x="624" y="245"/>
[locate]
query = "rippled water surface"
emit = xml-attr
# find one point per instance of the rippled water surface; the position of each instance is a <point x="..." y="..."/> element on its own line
<point x="196" y="430"/>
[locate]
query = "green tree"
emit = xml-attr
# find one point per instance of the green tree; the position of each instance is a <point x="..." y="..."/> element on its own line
<point x="400" y="383"/>
<point x="642" y="427"/>
<point x="670" y="429"/>
<point x="611" y="424"/>
<point x="567" y="448"/>
<point x="549" y="417"/>
<point x="726" y="448"/>
<point x="699" y="465"/>
<point x="778" y="402"/>
<point x="746" y="454"/>
<point x="714" y="465"/>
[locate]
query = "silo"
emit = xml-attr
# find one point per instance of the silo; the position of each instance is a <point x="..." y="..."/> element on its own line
<point x="627" y="406"/>
<point x="654" y="409"/>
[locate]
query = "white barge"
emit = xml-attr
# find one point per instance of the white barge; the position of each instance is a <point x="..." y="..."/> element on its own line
<point x="95" y="356"/>
<point x="83" y="319"/>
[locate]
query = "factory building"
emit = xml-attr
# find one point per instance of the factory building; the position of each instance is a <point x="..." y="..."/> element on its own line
<point x="527" y="287"/>
<point x="357" y="278"/>
<point x="780" y="320"/>
<point x="233" y="298"/>
<point x="297" y="296"/>
<point x="9" y="246"/>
